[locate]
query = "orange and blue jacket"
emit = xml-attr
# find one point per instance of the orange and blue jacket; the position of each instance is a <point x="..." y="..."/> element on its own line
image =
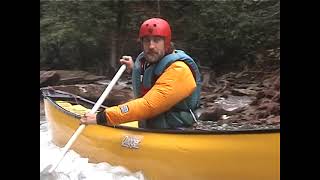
<point x="176" y="83"/>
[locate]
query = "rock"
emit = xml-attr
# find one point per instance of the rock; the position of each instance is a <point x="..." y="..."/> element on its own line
<point x="273" y="81"/>
<point x="260" y="95"/>
<point x="243" y="92"/>
<point x="206" y="79"/>
<point x="274" y="120"/>
<point x="254" y="87"/>
<point x="210" y="114"/>
<point x="118" y="94"/>
<point x="267" y="83"/>
<point x="254" y="102"/>
<point x="226" y="94"/>
<point x="92" y="78"/>
<point x="261" y="115"/>
<point x="264" y="92"/>
<point x="235" y="118"/>
<point x="211" y="97"/>
<point x="256" y="122"/>
<point x="236" y="111"/>
<point x="241" y="86"/>
<point x="265" y="101"/>
<point x="234" y="104"/>
<point x="269" y="93"/>
<point x="274" y="109"/>
<point x="224" y="117"/>
<point x="271" y="107"/>
<point x="239" y="75"/>
<point x="276" y="84"/>
<point x="210" y="104"/>
<point x="76" y="77"/>
<point x="48" y="78"/>
<point x="276" y="97"/>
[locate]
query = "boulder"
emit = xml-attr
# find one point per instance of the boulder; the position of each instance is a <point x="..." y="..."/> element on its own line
<point x="243" y="92"/>
<point x="274" y="120"/>
<point x="76" y="77"/>
<point x="213" y="113"/>
<point x="65" y="77"/>
<point x="117" y="95"/>
<point x="48" y="78"/>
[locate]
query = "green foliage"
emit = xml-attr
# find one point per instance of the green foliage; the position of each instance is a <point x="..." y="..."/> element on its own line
<point x="73" y="34"/>
<point x="78" y="34"/>
<point x="231" y="31"/>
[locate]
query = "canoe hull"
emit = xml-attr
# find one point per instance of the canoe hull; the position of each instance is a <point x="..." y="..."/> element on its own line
<point x="172" y="156"/>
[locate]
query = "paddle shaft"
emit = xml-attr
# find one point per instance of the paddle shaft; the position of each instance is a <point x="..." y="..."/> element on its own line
<point x="92" y="111"/>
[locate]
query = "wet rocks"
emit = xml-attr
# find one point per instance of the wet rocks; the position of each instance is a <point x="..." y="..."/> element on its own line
<point x="216" y="126"/>
<point x="118" y="95"/>
<point x="65" y="77"/>
<point x="212" y="113"/>
<point x="48" y="78"/>
<point x="86" y="85"/>
<point x="274" y="120"/>
<point x="271" y="107"/>
<point x="243" y="92"/>
<point x="263" y="111"/>
<point x="76" y="77"/>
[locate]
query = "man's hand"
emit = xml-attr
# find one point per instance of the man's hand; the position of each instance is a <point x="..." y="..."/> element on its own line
<point x="88" y="119"/>
<point x="127" y="60"/>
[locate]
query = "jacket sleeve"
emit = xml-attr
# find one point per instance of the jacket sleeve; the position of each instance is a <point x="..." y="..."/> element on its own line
<point x="175" y="84"/>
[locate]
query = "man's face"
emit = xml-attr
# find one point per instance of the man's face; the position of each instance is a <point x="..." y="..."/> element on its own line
<point x="153" y="47"/>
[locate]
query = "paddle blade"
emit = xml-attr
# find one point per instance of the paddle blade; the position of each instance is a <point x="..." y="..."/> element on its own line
<point x="45" y="175"/>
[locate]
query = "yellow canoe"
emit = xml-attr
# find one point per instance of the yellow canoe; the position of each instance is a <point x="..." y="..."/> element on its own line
<point x="166" y="154"/>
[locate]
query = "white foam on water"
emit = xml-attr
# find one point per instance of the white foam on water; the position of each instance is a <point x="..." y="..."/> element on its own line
<point x="233" y="102"/>
<point x="75" y="167"/>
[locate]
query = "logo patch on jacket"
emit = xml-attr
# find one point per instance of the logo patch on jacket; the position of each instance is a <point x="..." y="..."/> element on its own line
<point x="124" y="109"/>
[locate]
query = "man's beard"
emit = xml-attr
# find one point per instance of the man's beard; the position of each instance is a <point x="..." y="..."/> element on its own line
<point x="154" y="57"/>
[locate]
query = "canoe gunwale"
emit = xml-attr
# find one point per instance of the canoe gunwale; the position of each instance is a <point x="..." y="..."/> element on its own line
<point x="66" y="95"/>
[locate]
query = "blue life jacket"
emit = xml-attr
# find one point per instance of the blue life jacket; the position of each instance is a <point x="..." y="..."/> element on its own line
<point x="143" y="78"/>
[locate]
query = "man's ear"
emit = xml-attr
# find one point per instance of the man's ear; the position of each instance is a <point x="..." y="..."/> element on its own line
<point x="171" y="48"/>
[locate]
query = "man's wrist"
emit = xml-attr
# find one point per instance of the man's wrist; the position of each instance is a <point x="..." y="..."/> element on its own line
<point x="102" y="118"/>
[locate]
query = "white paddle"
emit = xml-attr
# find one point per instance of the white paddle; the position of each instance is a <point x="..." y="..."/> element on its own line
<point x="92" y="111"/>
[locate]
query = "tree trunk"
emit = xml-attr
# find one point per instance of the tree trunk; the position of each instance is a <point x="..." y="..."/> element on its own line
<point x="113" y="51"/>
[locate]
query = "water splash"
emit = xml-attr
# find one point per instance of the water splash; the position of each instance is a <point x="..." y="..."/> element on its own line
<point x="74" y="167"/>
<point x="234" y="102"/>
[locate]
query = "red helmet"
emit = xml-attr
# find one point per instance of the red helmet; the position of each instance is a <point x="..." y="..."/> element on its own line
<point x="156" y="27"/>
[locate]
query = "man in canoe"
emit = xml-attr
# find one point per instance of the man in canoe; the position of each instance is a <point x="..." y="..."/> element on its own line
<point x="166" y="84"/>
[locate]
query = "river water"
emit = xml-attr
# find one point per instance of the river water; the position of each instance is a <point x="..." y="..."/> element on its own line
<point x="73" y="166"/>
